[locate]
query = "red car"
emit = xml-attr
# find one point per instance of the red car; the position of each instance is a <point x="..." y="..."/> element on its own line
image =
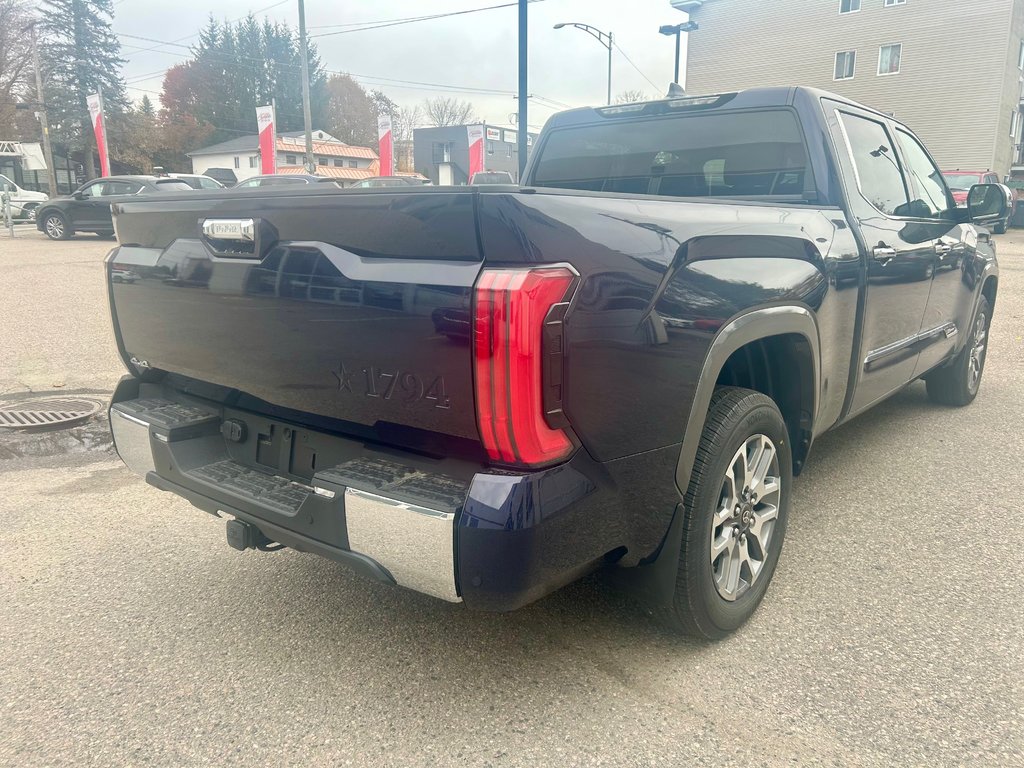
<point x="960" y="183"/>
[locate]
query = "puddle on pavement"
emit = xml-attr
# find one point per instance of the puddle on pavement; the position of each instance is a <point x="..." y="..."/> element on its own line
<point x="89" y="436"/>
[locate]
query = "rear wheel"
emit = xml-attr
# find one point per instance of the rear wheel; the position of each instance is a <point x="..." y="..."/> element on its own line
<point x="56" y="226"/>
<point x="1000" y="228"/>
<point x="958" y="383"/>
<point x="736" y="510"/>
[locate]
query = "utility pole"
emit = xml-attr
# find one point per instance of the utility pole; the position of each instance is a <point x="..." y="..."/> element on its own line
<point x="51" y="172"/>
<point x="522" y="124"/>
<point x="306" y="112"/>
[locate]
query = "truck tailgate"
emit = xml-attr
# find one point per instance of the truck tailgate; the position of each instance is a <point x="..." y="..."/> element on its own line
<point x="350" y="306"/>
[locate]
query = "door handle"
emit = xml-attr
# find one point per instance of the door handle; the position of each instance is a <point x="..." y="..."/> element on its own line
<point x="942" y="249"/>
<point x="884" y="253"/>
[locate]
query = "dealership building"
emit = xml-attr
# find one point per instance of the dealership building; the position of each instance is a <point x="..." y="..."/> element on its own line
<point x="442" y="154"/>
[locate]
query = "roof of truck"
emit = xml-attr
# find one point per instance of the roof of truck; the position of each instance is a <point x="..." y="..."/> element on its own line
<point x="751" y="98"/>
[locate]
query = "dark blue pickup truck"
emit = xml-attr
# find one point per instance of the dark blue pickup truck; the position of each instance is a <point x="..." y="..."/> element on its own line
<point x="485" y="393"/>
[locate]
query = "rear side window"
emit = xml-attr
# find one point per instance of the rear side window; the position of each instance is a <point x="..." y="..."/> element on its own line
<point x="879" y="174"/>
<point x="740" y="154"/>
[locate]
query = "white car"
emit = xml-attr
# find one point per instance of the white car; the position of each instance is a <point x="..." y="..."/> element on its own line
<point x="23" y="201"/>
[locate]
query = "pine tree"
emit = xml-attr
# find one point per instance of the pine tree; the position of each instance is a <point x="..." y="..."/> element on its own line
<point x="237" y="67"/>
<point x="81" y="55"/>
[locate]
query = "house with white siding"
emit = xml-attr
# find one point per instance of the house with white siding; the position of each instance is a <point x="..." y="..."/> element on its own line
<point x="334" y="159"/>
<point x="949" y="69"/>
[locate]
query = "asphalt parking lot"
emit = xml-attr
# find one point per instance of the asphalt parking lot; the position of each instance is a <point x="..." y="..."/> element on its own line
<point x="130" y="633"/>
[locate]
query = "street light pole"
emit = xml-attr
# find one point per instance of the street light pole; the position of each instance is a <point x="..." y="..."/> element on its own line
<point x="306" y="112"/>
<point x="51" y="172"/>
<point x="677" y="30"/>
<point x="522" y="126"/>
<point x="610" y="44"/>
<point x="604" y="38"/>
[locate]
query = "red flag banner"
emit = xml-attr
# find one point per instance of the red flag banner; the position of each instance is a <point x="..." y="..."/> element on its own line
<point x="476" y="149"/>
<point x="268" y="139"/>
<point x="95" y="102"/>
<point x="386" y="146"/>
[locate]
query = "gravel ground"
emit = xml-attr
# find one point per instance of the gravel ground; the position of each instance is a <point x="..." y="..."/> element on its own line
<point x="131" y="634"/>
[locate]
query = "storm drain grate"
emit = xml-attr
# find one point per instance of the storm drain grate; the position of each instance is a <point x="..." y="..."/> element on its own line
<point x="47" y="412"/>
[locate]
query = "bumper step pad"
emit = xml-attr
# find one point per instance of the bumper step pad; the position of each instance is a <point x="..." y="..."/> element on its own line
<point x="268" y="491"/>
<point x="396" y="481"/>
<point x="166" y="415"/>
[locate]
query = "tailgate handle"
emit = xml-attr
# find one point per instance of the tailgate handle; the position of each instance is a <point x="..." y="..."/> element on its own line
<point x="238" y="238"/>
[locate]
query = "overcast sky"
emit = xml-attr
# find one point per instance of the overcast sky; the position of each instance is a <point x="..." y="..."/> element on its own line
<point x="476" y="52"/>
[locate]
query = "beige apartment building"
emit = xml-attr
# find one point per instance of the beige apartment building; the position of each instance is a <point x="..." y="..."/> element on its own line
<point x="952" y="70"/>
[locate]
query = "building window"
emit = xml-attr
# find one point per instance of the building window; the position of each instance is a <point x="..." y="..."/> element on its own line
<point x="339" y="163"/>
<point x="254" y="161"/>
<point x="441" y="152"/>
<point x="1014" y="123"/>
<point x="289" y="159"/>
<point x="238" y="163"/>
<point x="490" y="147"/>
<point x="849" y="6"/>
<point x="889" y="59"/>
<point x="846" y="64"/>
<point x="1020" y="56"/>
<point x="508" y="150"/>
<point x="893" y="3"/>
<point x="353" y="164"/>
<point x="322" y="160"/>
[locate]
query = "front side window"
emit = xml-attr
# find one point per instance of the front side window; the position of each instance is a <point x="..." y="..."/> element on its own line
<point x="889" y="59"/>
<point x="879" y="174"/>
<point x="750" y="154"/>
<point x="849" y="6"/>
<point x="96" y="189"/>
<point x="846" y="64"/>
<point x="931" y="197"/>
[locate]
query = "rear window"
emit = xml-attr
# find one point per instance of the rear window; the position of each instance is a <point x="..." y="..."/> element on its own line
<point x="740" y="154"/>
<point x="172" y="185"/>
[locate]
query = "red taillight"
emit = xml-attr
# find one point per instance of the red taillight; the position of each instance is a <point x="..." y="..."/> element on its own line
<point x="508" y="322"/>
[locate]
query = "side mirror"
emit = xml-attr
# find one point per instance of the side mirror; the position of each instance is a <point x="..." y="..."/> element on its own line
<point x="986" y="204"/>
<point x="78" y="194"/>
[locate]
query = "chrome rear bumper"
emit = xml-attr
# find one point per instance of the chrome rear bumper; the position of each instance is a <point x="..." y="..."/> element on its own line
<point x="414" y="544"/>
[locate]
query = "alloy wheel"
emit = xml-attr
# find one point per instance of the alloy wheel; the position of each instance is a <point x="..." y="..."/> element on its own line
<point x="748" y="508"/>
<point x="977" y="359"/>
<point x="55" y="227"/>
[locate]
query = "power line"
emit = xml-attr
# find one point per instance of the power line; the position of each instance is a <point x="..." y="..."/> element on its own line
<point x="414" y="19"/>
<point x="626" y="57"/>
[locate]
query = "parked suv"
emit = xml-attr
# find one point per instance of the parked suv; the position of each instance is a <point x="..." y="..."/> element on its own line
<point x="87" y="209"/>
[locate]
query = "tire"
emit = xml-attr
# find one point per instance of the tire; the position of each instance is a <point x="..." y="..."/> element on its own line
<point x="957" y="383"/>
<point x="1000" y="228"/>
<point x="711" y="600"/>
<point x="56" y="226"/>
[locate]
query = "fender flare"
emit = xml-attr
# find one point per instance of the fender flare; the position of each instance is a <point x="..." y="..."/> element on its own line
<point x="741" y="330"/>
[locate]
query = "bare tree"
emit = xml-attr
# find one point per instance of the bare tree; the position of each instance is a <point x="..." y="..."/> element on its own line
<point x="631" y="97"/>
<point x="441" y="112"/>
<point x="15" y="61"/>
<point x="405" y="120"/>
